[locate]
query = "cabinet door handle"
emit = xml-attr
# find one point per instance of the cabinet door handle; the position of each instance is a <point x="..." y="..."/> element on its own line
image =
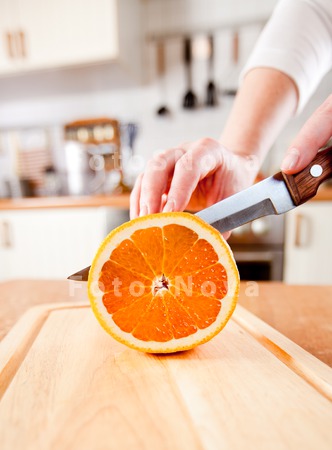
<point x="302" y="230"/>
<point x="22" y="45"/>
<point x="6" y="241"/>
<point x="10" y="45"/>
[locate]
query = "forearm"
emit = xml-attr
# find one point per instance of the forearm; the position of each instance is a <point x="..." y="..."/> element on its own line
<point x="282" y="72"/>
<point x="266" y="100"/>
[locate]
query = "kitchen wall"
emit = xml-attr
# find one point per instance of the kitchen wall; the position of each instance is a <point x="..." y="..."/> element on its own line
<point x="56" y="97"/>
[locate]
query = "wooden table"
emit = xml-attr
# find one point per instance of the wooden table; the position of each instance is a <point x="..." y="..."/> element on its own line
<point x="302" y="313"/>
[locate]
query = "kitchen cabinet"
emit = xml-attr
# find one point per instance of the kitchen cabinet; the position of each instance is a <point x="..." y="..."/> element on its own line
<point x="308" y="245"/>
<point x="46" y="34"/>
<point x="52" y="243"/>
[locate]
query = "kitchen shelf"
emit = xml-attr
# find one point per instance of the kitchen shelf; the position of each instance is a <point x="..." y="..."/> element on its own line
<point x="196" y="31"/>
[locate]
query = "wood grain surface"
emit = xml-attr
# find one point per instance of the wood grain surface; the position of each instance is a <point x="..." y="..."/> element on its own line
<point x="303" y="185"/>
<point x="302" y="313"/>
<point x="249" y="387"/>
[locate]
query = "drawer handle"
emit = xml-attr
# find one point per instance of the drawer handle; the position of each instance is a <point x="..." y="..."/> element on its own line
<point x="21" y="41"/>
<point x="10" y="45"/>
<point x="6" y="241"/>
<point x="302" y="231"/>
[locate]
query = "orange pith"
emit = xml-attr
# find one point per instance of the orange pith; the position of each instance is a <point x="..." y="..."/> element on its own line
<point x="158" y="284"/>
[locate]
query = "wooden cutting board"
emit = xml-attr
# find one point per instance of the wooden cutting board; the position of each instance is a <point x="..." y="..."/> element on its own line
<point x="66" y="384"/>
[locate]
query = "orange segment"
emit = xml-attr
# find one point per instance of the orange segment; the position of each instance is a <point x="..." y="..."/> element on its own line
<point x="163" y="283"/>
<point x="113" y="276"/>
<point x="203" y="311"/>
<point x="182" y="324"/>
<point x="128" y="317"/>
<point x="150" y="243"/>
<point x="211" y="281"/>
<point x="178" y="240"/>
<point x="155" y="325"/>
<point x="129" y="256"/>
<point x="200" y="255"/>
<point x="114" y="301"/>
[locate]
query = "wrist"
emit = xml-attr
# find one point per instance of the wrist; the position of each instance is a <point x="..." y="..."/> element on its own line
<point x="248" y="166"/>
<point x="245" y="163"/>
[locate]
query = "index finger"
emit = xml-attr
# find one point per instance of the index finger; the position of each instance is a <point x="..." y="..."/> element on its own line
<point x="155" y="180"/>
<point x="314" y="134"/>
<point x="203" y="159"/>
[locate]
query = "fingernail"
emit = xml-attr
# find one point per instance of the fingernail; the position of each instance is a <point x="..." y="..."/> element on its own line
<point x="143" y="210"/>
<point x="291" y="159"/>
<point x="170" y="206"/>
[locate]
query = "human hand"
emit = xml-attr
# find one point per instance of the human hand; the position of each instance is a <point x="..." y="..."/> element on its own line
<point x="199" y="173"/>
<point x="314" y="134"/>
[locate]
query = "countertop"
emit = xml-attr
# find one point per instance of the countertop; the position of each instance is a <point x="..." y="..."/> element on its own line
<point x="117" y="201"/>
<point x="302" y="313"/>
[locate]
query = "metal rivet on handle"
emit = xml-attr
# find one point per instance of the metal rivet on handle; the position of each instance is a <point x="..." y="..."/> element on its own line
<point x="316" y="170"/>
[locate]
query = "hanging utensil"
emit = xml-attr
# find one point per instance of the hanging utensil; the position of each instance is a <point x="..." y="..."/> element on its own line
<point x="235" y="47"/>
<point x="211" y="90"/>
<point x="235" y="52"/>
<point x="162" y="110"/>
<point x="190" y="99"/>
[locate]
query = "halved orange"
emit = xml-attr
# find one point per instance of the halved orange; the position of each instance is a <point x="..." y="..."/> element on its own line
<point x="163" y="283"/>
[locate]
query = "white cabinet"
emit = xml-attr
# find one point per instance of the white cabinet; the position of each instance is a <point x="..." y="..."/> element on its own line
<point x="45" y="34"/>
<point x="308" y="246"/>
<point x="52" y="243"/>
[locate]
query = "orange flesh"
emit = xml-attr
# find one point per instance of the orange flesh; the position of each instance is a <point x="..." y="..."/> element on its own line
<point x="163" y="283"/>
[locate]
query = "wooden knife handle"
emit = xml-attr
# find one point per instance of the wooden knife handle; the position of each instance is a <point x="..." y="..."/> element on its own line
<point x="303" y="185"/>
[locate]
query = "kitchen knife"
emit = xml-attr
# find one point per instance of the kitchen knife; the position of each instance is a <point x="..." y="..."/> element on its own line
<point x="274" y="195"/>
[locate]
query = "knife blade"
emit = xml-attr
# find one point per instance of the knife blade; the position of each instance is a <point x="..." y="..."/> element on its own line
<point x="274" y="195"/>
<point x="270" y="196"/>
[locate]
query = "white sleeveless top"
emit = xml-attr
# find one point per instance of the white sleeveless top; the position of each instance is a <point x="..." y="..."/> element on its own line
<point x="297" y="40"/>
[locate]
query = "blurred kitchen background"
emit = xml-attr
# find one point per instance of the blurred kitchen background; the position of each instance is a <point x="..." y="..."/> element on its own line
<point x="91" y="89"/>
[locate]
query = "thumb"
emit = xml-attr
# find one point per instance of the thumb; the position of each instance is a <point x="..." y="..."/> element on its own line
<point x="314" y="134"/>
